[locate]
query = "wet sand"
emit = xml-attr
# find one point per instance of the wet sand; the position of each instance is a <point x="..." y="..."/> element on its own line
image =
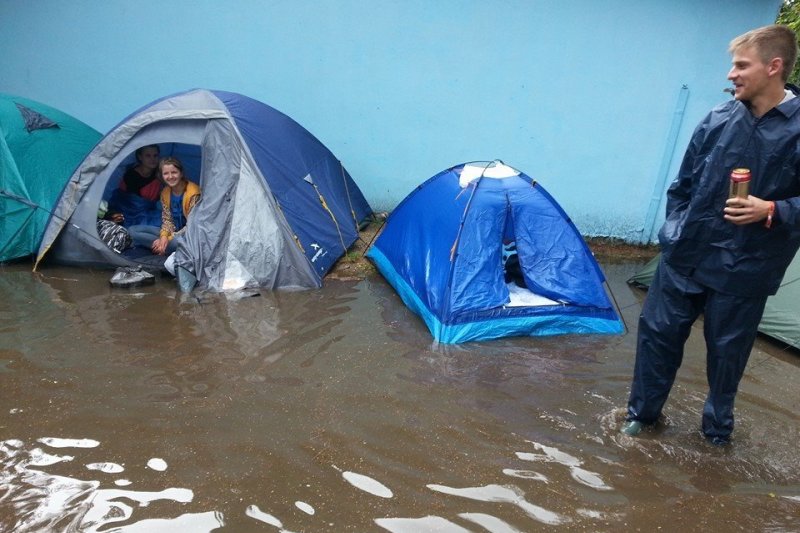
<point x="331" y="410"/>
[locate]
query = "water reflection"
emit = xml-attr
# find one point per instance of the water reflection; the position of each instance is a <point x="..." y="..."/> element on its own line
<point x="45" y="501"/>
<point x="503" y="494"/>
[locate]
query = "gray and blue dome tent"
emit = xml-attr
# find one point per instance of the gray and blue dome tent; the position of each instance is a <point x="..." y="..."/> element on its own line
<point x="277" y="208"/>
<point x="482" y="251"/>
<point x="40" y="147"/>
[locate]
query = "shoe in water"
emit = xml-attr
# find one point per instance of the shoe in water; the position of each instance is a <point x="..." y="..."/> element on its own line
<point x="631" y="428"/>
<point x="718" y="441"/>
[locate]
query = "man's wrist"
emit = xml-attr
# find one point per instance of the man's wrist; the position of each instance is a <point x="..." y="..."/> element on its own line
<point x="770" y="215"/>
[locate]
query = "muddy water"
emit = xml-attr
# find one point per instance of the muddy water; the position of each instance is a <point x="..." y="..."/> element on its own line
<point x="331" y="410"/>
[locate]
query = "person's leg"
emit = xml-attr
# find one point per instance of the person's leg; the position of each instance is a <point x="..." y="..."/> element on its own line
<point x="731" y="326"/>
<point x="144" y="235"/>
<point x="672" y="305"/>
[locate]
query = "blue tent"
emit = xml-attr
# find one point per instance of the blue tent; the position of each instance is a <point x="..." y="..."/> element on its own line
<point x="277" y="208"/>
<point x="482" y="251"/>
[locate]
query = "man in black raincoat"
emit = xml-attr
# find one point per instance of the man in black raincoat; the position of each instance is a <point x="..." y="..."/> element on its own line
<point x="723" y="257"/>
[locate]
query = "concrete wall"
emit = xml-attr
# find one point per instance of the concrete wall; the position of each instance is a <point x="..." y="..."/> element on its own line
<point x="595" y="99"/>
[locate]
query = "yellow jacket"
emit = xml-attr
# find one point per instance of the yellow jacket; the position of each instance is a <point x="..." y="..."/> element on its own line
<point x="190" y="197"/>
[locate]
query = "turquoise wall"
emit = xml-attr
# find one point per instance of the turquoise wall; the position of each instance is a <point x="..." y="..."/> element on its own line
<point x="584" y="95"/>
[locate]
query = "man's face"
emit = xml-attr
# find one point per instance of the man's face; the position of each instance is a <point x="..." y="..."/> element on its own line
<point x="149" y="157"/>
<point x="749" y="75"/>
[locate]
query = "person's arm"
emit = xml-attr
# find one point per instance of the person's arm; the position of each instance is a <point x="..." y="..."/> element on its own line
<point x="787" y="211"/>
<point x="742" y="211"/>
<point x="159" y="246"/>
<point x="116" y="218"/>
<point x="680" y="192"/>
<point x="167" y="224"/>
<point x="748" y="210"/>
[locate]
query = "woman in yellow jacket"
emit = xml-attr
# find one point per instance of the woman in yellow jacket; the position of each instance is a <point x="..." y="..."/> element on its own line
<point x="177" y="199"/>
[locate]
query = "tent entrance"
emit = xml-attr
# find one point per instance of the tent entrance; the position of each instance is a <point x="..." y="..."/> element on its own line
<point x="519" y="294"/>
<point x="140" y="210"/>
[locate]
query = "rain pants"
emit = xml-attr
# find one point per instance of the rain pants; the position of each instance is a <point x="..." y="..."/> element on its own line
<point x="714" y="267"/>
<point x="673" y="303"/>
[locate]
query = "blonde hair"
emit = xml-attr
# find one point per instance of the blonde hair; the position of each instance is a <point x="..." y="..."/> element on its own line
<point x="770" y="42"/>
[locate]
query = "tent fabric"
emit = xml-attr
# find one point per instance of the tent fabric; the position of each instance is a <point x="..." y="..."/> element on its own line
<point x="781" y="319"/>
<point x="259" y="222"/>
<point x="442" y="248"/>
<point x="40" y="147"/>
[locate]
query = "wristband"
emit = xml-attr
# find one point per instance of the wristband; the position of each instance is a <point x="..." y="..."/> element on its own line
<point x="770" y="212"/>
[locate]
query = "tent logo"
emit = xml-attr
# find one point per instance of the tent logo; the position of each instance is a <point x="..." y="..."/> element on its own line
<point x="320" y="252"/>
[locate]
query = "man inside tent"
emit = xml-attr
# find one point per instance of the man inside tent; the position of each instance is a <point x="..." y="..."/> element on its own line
<point x="723" y="257"/>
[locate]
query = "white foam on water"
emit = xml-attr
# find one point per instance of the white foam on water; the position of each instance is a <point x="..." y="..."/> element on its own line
<point x="157" y="464"/>
<point x="589" y="479"/>
<point x="526" y="474"/>
<point x="254" y="512"/>
<point x="55" y="498"/>
<point x="144" y="498"/>
<point x="122" y="482"/>
<point x="107" y="468"/>
<point x="551" y="454"/>
<point x="554" y="455"/>
<point x="194" y="522"/>
<point x="52" y="502"/>
<point x="367" y="484"/>
<point x="103" y="512"/>
<point x="489" y="523"/>
<point x="793" y="498"/>
<point x="303" y="506"/>
<point x="417" y="525"/>
<point x="105" y="509"/>
<point x="589" y="513"/>
<point x="69" y="443"/>
<point x="502" y="494"/>
<point x="41" y="458"/>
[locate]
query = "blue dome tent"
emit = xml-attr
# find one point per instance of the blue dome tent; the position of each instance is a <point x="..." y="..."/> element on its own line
<point x="277" y="208"/>
<point x="482" y="251"/>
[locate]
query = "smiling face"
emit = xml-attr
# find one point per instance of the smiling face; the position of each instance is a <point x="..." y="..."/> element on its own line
<point x="750" y="76"/>
<point x="171" y="174"/>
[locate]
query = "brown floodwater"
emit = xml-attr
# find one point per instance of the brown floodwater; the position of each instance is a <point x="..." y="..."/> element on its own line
<point x="331" y="410"/>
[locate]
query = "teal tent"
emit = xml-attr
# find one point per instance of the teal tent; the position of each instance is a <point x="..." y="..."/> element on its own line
<point x="781" y="318"/>
<point x="39" y="148"/>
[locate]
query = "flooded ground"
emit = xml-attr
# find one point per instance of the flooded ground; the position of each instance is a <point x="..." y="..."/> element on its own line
<point x="331" y="410"/>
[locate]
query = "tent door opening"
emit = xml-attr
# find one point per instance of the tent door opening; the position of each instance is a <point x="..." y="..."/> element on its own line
<point x="129" y="194"/>
<point x="519" y="294"/>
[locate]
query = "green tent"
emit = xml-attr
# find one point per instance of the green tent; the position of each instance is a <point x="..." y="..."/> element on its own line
<point x="781" y="318"/>
<point x="39" y="148"/>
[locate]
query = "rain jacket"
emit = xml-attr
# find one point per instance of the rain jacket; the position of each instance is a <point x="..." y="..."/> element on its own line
<point x="696" y="240"/>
